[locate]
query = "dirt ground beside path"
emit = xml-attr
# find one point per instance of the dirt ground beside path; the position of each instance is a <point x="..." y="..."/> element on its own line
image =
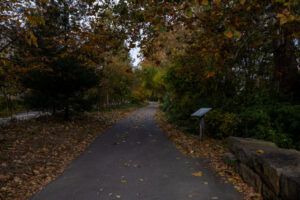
<point x="37" y="151"/>
<point x="211" y="149"/>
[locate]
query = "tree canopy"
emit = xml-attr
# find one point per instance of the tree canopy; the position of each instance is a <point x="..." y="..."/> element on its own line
<point x="240" y="57"/>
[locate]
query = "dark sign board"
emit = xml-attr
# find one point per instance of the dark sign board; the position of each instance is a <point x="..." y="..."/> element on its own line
<point x="201" y="112"/>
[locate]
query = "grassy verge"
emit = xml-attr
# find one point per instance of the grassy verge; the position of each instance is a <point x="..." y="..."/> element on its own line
<point x="211" y="149"/>
<point x="35" y="152"/>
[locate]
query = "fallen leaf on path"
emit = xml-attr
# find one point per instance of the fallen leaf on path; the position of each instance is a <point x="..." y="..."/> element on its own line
<point x="260" y="151"/>
<point x="116" y="143"/>
<point x="205" y="183"/>
<point x="123" y="181"/>
<point x="255" y="196"/>
<point x="17" y="180"/>
<point x="238" y="188"/>
<point x="126" y="165"/>
<point x="197" y="174"/>
<point x="210" y="148"/>
<point x="118" y="196"/>
<point x="233" y="180"/>
<point x="221" y="173"/>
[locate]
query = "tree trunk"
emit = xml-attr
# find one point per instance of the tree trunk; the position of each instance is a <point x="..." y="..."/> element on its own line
<point x="286" y="69"/>
<point x="53" y="109"/>
<point x="66" y="112"/>
<point x="10" y="107"/>
<point x="107" y="100"/>
<point x="8" y="103"/>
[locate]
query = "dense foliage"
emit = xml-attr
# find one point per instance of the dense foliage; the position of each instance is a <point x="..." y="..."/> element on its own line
<point x="62" y="55"/>
<point x="240" y="57"/>
<point x="149" y="83"/>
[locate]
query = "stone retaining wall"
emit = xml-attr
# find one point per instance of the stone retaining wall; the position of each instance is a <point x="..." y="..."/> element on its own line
<point x="272" y="171"/>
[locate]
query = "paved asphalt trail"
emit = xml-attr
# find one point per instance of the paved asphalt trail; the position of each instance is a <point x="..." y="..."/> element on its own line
<point x="134" y="161"/>
<point x="23" y="116"/>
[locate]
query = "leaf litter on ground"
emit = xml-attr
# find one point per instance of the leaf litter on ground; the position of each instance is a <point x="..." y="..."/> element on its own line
<point x="35" y="152"/>
<point x="211" y="149"/>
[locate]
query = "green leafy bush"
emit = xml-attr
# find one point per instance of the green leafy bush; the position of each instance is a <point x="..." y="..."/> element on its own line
<point x="244" y="102"/>
<point x="220" y="124"/>
<point x="279" y="124"/>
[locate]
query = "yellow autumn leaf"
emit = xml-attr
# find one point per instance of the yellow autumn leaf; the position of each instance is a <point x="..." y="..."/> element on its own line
<point x="221" y="173"/>
<point x="243" y="2"/>
<point x="210" y="74"/>
<point x="228" y="34"/>
<point x="123" y="181"/>
<point x="197" y="174"/>
<point x="279" y="15"/>
<point x="231" y="180"/>
<point x="237" y="34"/>
<point x="292" y="18"/>
<point x="217" y="2"/>
<point x="238" y="188"/>
<point x="260" y="151"/>
<point x="157" y="26"/>
<point x="204" y="2"/>
<point x="283" y="20"/>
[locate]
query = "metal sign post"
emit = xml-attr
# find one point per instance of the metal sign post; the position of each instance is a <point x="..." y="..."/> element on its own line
<point x="201" y="113"/>
<point x="201" y="128"/>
